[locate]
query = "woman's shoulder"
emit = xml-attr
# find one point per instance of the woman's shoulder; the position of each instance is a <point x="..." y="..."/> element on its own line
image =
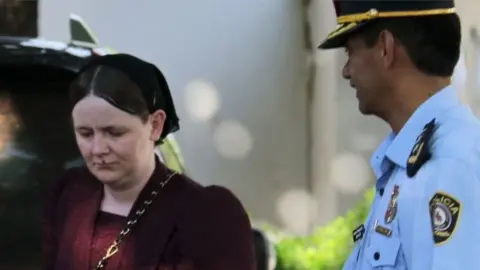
<point x="215" y="230"/>
<point x="206" y="195"/>
<point x="214" y="194"/>
<point x="213" y="201"/>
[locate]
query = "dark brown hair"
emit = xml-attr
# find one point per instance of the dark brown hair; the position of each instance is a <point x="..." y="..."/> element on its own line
<point x="432" y="42"/>
<point x="113" y="86"/>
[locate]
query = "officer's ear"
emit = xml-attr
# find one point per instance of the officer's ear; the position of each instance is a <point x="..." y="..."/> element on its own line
<point x="386" y="48"/>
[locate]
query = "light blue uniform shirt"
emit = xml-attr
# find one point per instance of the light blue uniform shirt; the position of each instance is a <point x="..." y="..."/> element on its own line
<point x="441" y="201"/>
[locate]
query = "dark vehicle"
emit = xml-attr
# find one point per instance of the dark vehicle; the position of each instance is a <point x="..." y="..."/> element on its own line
<point x="36" y="141"/>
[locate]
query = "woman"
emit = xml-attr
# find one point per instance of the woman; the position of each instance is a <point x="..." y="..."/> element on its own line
<point x="126" y="210"/>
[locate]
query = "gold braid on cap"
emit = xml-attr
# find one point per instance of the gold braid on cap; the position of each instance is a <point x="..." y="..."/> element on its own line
<point x="375" y="14"/>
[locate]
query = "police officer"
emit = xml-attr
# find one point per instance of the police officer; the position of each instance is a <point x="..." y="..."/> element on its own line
<point x="426" y="212"/>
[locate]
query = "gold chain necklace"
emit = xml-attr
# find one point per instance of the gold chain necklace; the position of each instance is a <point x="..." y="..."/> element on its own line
<point x="113" y="249"/>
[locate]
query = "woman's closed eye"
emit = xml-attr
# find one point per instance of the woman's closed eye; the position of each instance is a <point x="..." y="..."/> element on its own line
<point x="84" y="132"/>
<point x="109" y="131"/>
<point x="115" y="131"/>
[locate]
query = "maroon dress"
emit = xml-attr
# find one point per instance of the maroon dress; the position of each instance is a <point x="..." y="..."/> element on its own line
<point x="107" y="227"/>
<point x="187" y="227"/>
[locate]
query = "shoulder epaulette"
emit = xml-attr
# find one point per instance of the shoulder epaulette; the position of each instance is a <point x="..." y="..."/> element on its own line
<point x="420" y="153"/>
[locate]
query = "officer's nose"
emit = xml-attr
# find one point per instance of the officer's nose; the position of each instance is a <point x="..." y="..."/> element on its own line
<point x="346" y="72"/>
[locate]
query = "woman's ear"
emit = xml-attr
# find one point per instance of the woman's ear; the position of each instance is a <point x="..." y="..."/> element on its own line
<point x="157" y="120"/>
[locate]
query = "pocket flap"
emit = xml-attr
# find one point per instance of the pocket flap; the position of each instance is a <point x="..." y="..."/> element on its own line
<point x="383" y="251"/>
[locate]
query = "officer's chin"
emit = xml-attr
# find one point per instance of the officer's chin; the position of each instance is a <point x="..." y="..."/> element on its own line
<point x="364" y="108"/>
<point x="364" y="111"/>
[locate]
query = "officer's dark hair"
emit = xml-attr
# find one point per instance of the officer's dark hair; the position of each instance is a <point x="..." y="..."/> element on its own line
<point x="432" y="42"/>
<point x="113" y="86"/>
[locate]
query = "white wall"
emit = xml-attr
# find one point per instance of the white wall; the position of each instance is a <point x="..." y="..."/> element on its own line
<point x="250" y="50"/>
<point x="469" y="11"/>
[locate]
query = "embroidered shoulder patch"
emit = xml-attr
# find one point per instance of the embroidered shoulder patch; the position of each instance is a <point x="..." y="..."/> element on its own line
<point x="444" y="213"/>
<point x="420" y="153"/>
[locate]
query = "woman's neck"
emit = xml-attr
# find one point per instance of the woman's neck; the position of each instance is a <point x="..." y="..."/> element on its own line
<point x="119" y="199"/>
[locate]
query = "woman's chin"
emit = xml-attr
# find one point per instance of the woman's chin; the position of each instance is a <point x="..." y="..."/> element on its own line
<point x="106" y="176"/>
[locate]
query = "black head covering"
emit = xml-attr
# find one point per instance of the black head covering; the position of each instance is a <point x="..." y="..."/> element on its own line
<point x="150" y="80"/>
<point x="354" y="15"/>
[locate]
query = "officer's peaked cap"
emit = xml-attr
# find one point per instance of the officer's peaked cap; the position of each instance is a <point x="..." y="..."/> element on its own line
<point x="352" y="15"/>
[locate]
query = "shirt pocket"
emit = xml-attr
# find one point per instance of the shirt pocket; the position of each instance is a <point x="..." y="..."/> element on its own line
<point x="383" y="252"/>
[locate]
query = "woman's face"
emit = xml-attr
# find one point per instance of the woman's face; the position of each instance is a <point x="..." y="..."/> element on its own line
<point x="114" y="143"/>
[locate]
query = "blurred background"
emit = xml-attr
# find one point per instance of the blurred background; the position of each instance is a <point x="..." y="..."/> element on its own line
<point x="262" y="111"/>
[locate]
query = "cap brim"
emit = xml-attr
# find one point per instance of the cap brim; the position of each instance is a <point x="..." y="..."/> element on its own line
<point x="338" y="37"/>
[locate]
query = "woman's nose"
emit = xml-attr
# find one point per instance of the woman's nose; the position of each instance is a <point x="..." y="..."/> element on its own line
<point x="99" y="145"/>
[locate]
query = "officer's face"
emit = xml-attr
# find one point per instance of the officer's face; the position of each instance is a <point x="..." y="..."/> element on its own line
<point x="115" y="144"/>
<point x="364" y="73"/>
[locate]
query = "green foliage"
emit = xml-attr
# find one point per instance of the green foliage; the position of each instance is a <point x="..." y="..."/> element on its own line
<point x="171" y="154"/>
<point x="328" y="247"/>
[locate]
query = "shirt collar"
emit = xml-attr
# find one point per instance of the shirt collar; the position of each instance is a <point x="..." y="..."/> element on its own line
<point x="397" y="148"/>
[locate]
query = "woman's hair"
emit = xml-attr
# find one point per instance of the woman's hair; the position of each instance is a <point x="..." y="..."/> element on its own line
<point x="113" y="86"/>
<point x="130" y="84"/>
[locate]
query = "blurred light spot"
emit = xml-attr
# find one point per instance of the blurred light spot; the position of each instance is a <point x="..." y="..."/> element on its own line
<point x="232" y="140"/>
<point x="296" y="208"/>
<point x="9" y="122"/>
<point x="364" y="142"/>
<point x="202" y="100"/>
<point x="350" y="173"/>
